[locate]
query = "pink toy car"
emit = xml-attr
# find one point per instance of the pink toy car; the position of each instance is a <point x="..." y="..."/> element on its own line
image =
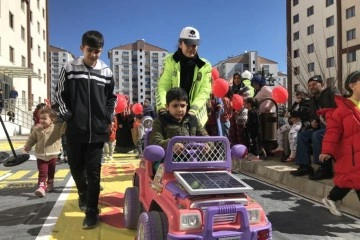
<point x="193" y="194"/>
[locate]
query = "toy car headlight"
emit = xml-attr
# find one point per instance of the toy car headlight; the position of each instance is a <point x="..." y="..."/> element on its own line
<point x="190" y="221"/>
<point x="254" y="216"/>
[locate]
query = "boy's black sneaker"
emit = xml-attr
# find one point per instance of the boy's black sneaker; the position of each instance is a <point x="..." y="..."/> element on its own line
<point x="82" y="202"/>
<point x="302" y="171"/>
<point x="321" y="174"/>
<point x="91" y="219"/>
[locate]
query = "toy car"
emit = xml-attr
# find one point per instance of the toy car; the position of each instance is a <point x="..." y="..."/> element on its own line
<point x="193" y="194"/>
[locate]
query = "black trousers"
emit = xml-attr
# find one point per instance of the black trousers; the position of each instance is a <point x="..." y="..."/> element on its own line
<point x="85" y="166"/>
<point x="338" y="193"/>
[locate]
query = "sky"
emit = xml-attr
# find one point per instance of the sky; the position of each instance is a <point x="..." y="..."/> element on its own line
<point x="227" y="27"/>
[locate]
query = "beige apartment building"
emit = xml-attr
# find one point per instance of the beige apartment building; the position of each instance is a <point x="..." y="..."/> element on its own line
<point x="252" y="62"/>
<point x="323" y="38"/>
<point x="57" y="59"/>
<point x="137" y="67"/>
<point x="23" y="50"/>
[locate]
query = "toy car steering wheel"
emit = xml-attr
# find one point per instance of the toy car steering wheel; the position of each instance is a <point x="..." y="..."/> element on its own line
<point x="192" y="149"/>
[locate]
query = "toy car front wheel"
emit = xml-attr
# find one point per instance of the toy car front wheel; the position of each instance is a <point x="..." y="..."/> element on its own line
<point x="150" y="227"/>
<point x="164" y="223"/>
<point x="132" y="207"/>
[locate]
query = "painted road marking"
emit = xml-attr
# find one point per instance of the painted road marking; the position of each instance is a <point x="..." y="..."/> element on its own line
<point x="18" y="175"/>
<point x="5" y="176"/>
<point x="47" y="228"/>
<point x="62" y="173"/>
<point x="116" y="177"/>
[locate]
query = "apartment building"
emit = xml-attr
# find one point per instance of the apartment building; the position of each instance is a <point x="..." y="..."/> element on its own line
<point x="252" y="62"/>
<point x="137" y="67"/>
<point x="323" y="37"/>
<point x="23" y="50"/>
<point x="57" y="59"/>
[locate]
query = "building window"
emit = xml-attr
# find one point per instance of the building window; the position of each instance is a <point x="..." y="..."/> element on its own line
<point x="310" y="48"/>
<point x="38" y="27"/>
<point x="310" y="11"/>
<point x="296" y="53"/>
<point x="11" y="20"/>
<point x="23" y="61"/>
<point x="330" y="62"/>
<point x="296" y="35"/>
<point x="296" y="18"/>
<point x="296" y="71"/>
<point x="351" y="56"/>
<point x="44" y="37"/>
<point x="23" y="5"/>
<point x="310" y="29"/>
<point x="22" y="33"/>
<point x="43" y="13"/>
<point x="31" y="43"/>
<point x="329" y="2"/>
<point x="329" y="21"/>
<point x="311" y="67"/>
<point x="330" y="41"/>
<point x="39" y="51"/>
<point x="31" y="16"/>
<point x="295" y="2"/>
<point x="351" y="34"/>
<point x="350" y="12"/>
<point x="12" y="54"/>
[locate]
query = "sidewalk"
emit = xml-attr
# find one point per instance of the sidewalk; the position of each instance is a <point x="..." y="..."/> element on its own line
<point x="275" y="172"/>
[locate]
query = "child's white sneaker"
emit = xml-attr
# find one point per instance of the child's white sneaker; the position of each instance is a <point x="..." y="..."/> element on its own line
<point x="111" y="158"/>
<point x="331" y="205"/>
<point x="40" y="192"/>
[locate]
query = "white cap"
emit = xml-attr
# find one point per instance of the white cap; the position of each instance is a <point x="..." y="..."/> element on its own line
<point x="246" y="75"/>
<point x="190" y="36"/>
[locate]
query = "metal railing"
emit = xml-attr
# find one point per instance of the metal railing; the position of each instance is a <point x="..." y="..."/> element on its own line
<point x="22" y="117"/>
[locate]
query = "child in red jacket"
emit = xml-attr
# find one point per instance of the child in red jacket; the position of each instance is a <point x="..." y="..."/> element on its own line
<point x="341" y="142"/>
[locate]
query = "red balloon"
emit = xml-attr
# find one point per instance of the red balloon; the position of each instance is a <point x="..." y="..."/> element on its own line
<point x="220" y="87"/>
<point x="121" y="103"/>
<point x="214" y="73"/>
<point x="137" y="108"/>
<point x="238" y="102"/>
<point x="280" y="94"/>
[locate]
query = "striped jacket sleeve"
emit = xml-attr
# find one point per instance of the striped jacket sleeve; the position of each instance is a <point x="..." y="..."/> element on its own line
<point x="61" y="95"/>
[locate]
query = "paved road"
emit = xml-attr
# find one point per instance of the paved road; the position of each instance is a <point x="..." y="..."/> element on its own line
<point x="26" y="217"/>
<point x="294" y="217"/>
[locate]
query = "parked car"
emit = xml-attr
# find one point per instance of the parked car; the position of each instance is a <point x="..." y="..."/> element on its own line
<point x="193" y="194"/>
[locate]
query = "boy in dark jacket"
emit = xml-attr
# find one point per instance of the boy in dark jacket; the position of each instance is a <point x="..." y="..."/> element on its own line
<point x="85" y="94"/>
<point x="176" y="122"/>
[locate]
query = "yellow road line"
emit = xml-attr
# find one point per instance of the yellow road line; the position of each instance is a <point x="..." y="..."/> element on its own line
<point x="18" y="175"/>
<point x="62" y="173"/>
<point x="4" y="172"/>
<point x="34" y="176"/>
